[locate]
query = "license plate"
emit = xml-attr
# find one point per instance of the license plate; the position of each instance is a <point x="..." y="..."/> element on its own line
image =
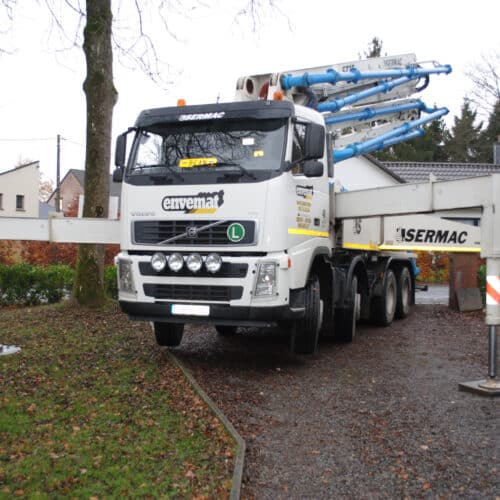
<point x="189" y="310"/>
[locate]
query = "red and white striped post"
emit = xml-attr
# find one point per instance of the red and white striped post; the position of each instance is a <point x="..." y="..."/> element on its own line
<point x="492" y="319"/>
<point x="491" y="385"/>
<point x="492" y="291"/>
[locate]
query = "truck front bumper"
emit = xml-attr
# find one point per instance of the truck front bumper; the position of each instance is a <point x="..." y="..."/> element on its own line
<point x="220" y="314"/>
<point x="226" y="298"/>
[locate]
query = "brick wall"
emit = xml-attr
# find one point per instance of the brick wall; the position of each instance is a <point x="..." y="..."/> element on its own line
<point x="463" y="273"/>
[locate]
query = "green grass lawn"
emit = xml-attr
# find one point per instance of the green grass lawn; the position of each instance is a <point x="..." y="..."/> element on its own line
<point x="90" y="407"/>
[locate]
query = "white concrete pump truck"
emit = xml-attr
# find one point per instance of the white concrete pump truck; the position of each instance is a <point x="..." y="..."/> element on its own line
<point x="230" y="214"/>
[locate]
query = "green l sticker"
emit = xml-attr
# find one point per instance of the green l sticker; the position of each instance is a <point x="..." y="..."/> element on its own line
<point x="235" y="232"/>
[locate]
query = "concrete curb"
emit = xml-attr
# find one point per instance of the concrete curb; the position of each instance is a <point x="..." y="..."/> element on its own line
<point x="240" y="453"/>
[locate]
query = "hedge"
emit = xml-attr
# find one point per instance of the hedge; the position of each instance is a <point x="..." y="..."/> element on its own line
<point x="26" y="284"/>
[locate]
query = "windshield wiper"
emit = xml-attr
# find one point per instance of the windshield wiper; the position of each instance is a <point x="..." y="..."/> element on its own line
<point x="163" y="176"/>
<point x="241" y="171"/>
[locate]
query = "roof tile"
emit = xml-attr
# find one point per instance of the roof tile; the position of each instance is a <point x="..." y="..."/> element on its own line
<point x="420" y="171"/>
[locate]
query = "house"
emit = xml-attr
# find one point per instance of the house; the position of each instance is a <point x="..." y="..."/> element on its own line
<point x="72" y="188"/>
<point x="19" y="191"/>
<point x="364" y="172"/>
<point x="411" y="171"/>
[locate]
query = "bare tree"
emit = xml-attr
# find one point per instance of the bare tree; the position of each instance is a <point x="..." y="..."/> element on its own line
<point x="252" y="10"/>
<point x="101" y="97"/>
<point x="6" y="17"/>
<point x="485" y="77"/>
<point x="46" y="187"/>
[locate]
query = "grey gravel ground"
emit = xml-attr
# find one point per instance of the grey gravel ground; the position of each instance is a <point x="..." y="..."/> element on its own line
<point x="381" y="417"/>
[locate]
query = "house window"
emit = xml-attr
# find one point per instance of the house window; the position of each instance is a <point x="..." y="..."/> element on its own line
<point x="1" y="201"/>
<point x="19" y="202"/>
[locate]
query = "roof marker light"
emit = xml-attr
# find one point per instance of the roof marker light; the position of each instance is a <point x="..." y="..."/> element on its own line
<point x="278" y="95"/>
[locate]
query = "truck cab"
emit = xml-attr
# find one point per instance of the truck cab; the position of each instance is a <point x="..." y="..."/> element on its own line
<point x="225" y="208"/>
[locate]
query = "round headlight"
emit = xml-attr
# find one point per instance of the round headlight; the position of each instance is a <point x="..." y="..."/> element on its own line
<point x="175" y="262"/>
<point x="158" y="262"/>
<point x="194" y="262"/>
<point x="213" y="262"/>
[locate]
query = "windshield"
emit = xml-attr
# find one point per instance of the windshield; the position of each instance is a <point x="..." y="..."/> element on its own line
<point x="200" y="153"/>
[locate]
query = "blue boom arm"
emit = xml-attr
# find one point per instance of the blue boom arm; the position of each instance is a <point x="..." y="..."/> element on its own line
<point x="366" y="104"/>
<point x="380" y="82"/>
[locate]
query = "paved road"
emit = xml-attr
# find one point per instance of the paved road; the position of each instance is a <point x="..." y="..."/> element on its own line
<point x="381" y="417"/>
<point x="435" y="294"/>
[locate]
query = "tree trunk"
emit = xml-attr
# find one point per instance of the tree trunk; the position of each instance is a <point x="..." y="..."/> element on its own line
<point x="101" y="97"/>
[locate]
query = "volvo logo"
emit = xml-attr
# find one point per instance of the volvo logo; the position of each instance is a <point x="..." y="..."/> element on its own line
<point x="191" y="232"/>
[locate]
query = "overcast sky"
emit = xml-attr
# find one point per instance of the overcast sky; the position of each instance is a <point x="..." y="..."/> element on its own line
<point x="41" y="90"/>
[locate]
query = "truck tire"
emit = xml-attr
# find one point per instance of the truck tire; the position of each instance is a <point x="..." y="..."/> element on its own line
<point x="226" y="330"/>
<point x="345" y="319"/>
<point x="404" y="291"/>
<point x="305" y="333"/>
<point x="384" y="307"/>
<point x="168" y="334"/>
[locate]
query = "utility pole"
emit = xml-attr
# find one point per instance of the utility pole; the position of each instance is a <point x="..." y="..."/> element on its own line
<point x="58" y="174"/>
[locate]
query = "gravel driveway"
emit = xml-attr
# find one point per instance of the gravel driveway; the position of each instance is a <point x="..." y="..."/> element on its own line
<point x="381" y="417"/>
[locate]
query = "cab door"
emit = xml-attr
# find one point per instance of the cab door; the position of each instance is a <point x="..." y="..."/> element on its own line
<point x="311" y="202"/>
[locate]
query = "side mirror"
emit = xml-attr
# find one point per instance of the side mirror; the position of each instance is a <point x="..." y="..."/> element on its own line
<point x="313" y="168"/>
<point x="118" y="174"/>
<point x="121" y="150"/>
<point x="314" y="141"/>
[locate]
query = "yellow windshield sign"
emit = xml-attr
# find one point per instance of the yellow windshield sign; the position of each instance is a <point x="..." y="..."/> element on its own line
<point x="197" y="162"/>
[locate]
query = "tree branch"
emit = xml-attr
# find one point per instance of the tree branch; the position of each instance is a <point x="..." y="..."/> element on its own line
<point x="485" y="78"/>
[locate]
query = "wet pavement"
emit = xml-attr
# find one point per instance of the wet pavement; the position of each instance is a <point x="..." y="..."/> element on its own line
<point x="435" y="294"/>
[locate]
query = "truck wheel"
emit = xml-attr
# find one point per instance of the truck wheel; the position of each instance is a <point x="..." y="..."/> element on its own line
<point x="305" y="333"/>
<point x="384" y="307"/>
<point x="226" y="330"/>
<point x="403" y="301"/>
<point x="168" y="334"/>
<point x="345" y="319"/>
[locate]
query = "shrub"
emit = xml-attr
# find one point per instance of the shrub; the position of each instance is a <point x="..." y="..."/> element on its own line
<point x="30" y="285"/>
<point x="110" y="282"/>
<point x="26" y="284"/>
<point x="434" y="266"/>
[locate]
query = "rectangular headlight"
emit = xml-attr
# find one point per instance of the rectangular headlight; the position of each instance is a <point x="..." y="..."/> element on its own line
<point x="125" y="278"/>
<point x="267" y="280"/>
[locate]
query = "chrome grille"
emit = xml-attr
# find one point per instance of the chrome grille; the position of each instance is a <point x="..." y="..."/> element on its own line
<point x="155" y="232"/>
